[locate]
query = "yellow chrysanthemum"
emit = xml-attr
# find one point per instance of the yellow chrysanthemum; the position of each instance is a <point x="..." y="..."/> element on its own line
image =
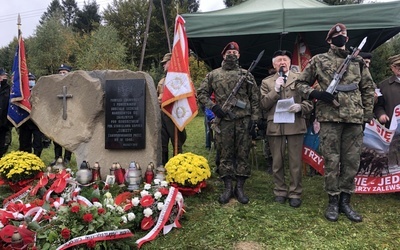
<point x="18" y="165"/>
<point x="187" y="169"/>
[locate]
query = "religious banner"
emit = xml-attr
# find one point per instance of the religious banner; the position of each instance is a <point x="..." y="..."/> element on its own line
<point x="379" y="170"/>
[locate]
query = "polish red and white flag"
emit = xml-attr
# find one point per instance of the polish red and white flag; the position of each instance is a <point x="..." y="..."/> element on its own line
<point x="179" y="99"/>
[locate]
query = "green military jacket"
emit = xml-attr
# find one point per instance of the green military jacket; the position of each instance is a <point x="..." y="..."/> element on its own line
<point x="356" y="106"/>
<point x="221" y="82"/>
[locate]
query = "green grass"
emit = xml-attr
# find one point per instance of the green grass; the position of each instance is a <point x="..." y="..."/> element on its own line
<point x="264" y="224"/>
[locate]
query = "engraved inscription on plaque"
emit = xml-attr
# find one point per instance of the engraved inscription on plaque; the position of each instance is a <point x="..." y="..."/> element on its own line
<point x="125" y="114"/>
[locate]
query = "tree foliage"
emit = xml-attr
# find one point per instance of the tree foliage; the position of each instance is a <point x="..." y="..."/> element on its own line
<point x="7" y="55"/>
<point x="70" y="8"/>
<point x="128" y="17"/>
<point x="189" y="6"/>
<point x="53" y="45"/>
<point x="230" y="3"/>
<point x="87" y="19"/>
<point x="53" y="10"/>
<point x="198" y="70"/>
<point x="101" y="50"/>
<point x="380" y="68"/>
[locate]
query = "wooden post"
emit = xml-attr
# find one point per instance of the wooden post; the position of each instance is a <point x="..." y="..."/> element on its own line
<point x="146" y="35"/>
<point x="165" y="25"/>
<point x="176" y="140"/>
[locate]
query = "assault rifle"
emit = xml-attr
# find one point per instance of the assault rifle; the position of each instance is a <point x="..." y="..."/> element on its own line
<point x="232" y="101"/>
<point x="342" y="69"/>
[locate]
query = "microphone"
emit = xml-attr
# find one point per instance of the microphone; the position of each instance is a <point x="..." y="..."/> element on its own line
<point x="282" y="74"/>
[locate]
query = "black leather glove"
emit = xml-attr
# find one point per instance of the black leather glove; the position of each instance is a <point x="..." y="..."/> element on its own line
<point x="322" y="95"/>
<point x="253" y="130"/>
<point x="217" y="110"/>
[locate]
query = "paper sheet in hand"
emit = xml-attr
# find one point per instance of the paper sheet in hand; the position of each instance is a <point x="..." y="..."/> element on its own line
<point x="282" y="114"/>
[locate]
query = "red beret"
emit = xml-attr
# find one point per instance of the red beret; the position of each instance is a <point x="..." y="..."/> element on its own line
<point x="230" y="46"/>
<point x="337" y="28"/>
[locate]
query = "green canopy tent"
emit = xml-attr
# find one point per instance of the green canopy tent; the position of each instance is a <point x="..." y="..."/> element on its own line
<point x="273" y="25"/>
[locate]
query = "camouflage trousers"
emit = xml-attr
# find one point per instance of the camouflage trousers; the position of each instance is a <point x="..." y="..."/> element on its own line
<point x="267" y="149"/>
<point x="234" y="142"/>
<point x="340" y="145"/>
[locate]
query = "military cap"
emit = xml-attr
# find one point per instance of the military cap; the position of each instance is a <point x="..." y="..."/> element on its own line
<point x="336" y="29"/>
<point x="394" y="60"/>
<point x="31" y="76"/>
<point x="365" y="55"/>
<point x="65" y="67"/>
<point x="230" y="46"/>
<point x="166" y="58"/>
<point x="3" y="72"/>
<point x="282" y="53"/>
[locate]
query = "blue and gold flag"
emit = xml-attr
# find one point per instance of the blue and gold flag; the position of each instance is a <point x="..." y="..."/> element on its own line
<point x="20" y="108"/>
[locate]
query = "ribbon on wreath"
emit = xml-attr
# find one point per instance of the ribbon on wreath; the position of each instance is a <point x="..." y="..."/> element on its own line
<point x="58" y="185"/>
<point x="101" y="236"/>
<point x="19" y="211"/>
<point x="38" y="211"/>
<point x="176" y="222"/>
<point x="17" y="196"/>
<point x="83" y="201"/>
<point x="162" y="219"/>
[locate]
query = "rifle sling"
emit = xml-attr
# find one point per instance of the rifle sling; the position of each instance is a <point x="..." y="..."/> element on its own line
<point x="347" y="87"/>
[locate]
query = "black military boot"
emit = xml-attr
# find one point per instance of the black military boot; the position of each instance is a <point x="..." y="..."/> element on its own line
<point x="332" y="211"/>
<point x="344" y="207"/>
<point x="228" y="193"/>
<point x="37" y="152"/>
<point x="239" y="193"/>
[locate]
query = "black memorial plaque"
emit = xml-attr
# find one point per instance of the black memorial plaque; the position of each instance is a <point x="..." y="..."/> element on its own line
<point x="125" y="114"/>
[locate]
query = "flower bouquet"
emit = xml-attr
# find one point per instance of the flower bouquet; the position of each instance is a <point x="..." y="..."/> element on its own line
<point x="188" y="172"/>
<point x="20" y="169"/>
<point x="67" y="215"/>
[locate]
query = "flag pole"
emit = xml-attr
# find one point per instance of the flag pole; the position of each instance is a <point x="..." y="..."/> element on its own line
<point x="175" y="140"/>
<point x="19" y="25"/>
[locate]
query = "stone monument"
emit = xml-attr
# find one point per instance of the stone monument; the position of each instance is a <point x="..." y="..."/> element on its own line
<point x="70" y="110"/>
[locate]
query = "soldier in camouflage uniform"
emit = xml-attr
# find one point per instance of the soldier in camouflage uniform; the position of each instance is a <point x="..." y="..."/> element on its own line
<point x="341" y="131"/>
<point x="234" y="139"/>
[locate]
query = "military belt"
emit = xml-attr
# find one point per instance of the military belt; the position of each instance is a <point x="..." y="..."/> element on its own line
<point x="347" y="87"/>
